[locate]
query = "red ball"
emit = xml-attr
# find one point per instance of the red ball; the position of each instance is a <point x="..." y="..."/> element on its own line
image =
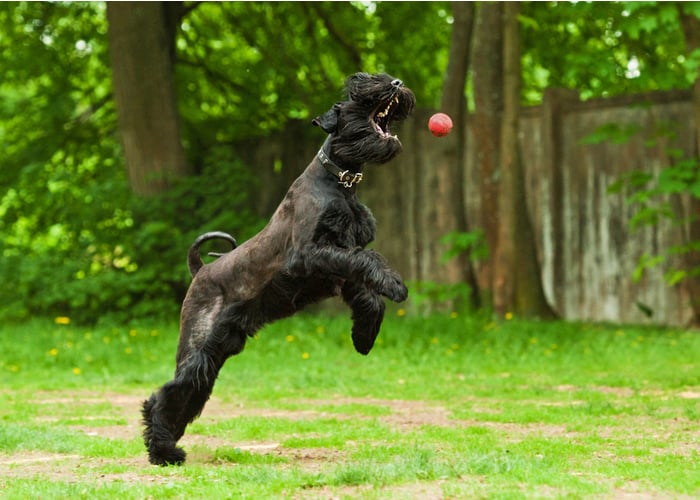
<point x="440" y="124"/>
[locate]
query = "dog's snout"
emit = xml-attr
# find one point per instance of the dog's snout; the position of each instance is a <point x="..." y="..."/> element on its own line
<point x="397" y="83"/>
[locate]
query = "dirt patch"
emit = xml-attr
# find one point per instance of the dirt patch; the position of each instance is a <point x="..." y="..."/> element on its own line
<point x="72" y="468"/>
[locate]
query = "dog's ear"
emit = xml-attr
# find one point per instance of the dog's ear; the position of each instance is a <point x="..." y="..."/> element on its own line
<point x="329" y="120"/>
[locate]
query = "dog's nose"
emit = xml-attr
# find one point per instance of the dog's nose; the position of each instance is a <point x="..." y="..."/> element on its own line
<point x="397" y="83"/>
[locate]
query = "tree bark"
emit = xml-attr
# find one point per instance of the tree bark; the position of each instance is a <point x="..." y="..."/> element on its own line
<point x="450" y="165"/>
<point x="488" y="105"/>
<point x="691" y="30"/>
<point x="517" y="280"/>
<point x="141" y="43"/>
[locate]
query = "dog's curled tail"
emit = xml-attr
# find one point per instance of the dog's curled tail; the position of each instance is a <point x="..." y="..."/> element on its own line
<point x="194" y="259"/>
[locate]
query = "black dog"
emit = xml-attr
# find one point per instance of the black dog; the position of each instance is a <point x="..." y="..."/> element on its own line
<point x="312" y="248"/>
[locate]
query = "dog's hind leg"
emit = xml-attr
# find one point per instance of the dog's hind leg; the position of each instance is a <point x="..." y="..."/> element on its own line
<point x="367" y="315"/>
<point x="168" y="412"/>
<point x="176" y="404"/>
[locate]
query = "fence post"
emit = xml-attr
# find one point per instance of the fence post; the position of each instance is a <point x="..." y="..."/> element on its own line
<point x="556" y="102"/>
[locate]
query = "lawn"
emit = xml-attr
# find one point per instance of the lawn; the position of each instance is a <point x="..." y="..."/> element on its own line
<point x="447" y="406"/>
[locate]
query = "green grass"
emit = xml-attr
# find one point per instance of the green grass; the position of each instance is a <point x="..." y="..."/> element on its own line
<point x="445" y="406"/>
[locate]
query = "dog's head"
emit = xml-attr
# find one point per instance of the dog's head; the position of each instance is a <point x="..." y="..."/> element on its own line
<point x="360" y="126"/>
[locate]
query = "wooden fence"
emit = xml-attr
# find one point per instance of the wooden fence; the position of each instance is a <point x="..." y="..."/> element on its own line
<point x="587" y="249"/>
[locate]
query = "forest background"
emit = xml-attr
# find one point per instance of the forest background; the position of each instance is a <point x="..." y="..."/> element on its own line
<point x="127" y="129"/>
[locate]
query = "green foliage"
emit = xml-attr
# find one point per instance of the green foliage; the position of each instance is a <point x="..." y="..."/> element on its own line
<point x="429" y="296"/>
<point x="471" y="243"/>
<point x="125" y="257"/>
<point x="615" y="133"/>
<point x="288" y="60"/>
<point x="603" y="49"/>
<point x="59" y="179"/>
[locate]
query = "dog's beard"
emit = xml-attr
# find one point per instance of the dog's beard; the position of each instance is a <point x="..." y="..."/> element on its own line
<point x="371" y="148"/>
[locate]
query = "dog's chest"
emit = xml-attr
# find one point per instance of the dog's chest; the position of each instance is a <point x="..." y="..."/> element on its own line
<point x="345" y="223"/>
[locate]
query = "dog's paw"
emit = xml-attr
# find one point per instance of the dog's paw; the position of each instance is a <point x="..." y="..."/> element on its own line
<point x="365" y="331"/>
<point x="165" y="454"/>
<point x="395" y="288"/>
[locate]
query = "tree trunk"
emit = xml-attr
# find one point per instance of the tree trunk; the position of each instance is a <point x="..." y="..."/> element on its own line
<point x="517" y="280"/>
<point x="488" y="100"/>
<point x="691" y="29"/>
<point x="450" y="164"/>
<point x="141" y="43"/>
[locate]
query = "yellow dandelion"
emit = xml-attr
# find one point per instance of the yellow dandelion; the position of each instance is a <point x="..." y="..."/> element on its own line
<point x="289" y="338"/>
<point x="533" y="340"/>
<point x="62" y="320"/>
<point x="401" y="313"/>
<point x="154" y="333"/>
<point x="13" y="368"/>
<point x="305" y="355"/>
<point x="76" y="371"/>
<point x="434" y="340"/>
<point x="53" y="352"/>
<point x="508" y="316"/>
<point x="453" y="315"/>
<point x="132" y="333"/>
<point x="128" y="350"/>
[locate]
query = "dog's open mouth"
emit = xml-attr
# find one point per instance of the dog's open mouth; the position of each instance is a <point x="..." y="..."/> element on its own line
<point x="381" y="118"/>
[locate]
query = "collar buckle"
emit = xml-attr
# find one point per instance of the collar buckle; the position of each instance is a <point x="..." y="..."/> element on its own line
<point x="349" y="179"/>
<point x="345" y="177"/>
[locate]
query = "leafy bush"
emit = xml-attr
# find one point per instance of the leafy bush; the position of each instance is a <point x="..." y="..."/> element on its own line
<point x="122" y="257"/>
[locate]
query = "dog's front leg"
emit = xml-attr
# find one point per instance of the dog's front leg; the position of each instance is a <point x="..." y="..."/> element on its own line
<point x="367" y="314"/>
<point x="363" y="266"/>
